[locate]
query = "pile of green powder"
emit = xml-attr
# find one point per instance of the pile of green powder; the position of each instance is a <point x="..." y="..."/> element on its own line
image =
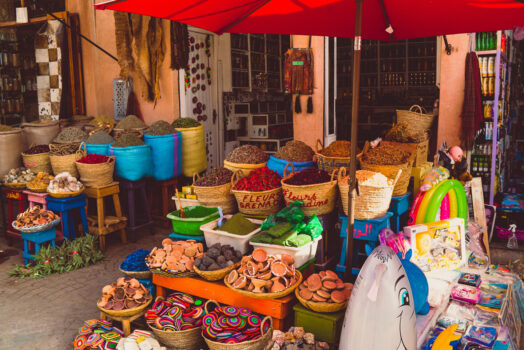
<point x="127" y="140"/>
<point x="130" y="122"/>
<point x="100" y="138"/>
<point x="160" y="128"/>
<point x="238" y="225"/>
<point x="185" y="123"/>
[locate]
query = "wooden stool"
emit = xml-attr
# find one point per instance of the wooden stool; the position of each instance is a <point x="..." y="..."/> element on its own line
<point x="13" y="196"/>
<point x="325" y="326"/>
<point x="99" y="227"/>
<point x="65" y="207"/>
<point x="35" y="198"/>
<point x="162" y="205"/>
<point x="126" y="320"/>
<point x="365" y="231"/>
<point x="38" y="238"/>
<point x="130" y="188"/>
<point x="399" y="205"/>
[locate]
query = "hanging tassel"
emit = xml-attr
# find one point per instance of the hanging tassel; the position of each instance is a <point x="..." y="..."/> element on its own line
<point x="298" y="108"/>
<point x="310" y="104"/>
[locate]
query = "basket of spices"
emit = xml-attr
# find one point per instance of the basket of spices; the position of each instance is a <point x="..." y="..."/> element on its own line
<point x="96" y="170"/>
<point x="259" y="193"/>
<point x="134" y="265"/>
<point x="18" y="178"/>
<point x="36" y="158"/>
<point x="314" y="187"/>
<point x="129" y="125"/>
<point x="63" y="157"/>
<point x="374" y="193"/>
<point x="233" y="328"/>
<point x="417" y="117"/>
<point x="246" y="158"/>
<point x="410" y="139"/>
<point x="39" y="183"/>
<point x="177" y="321"/>
<point x="64" y="186"/>
<point x="295" y="152"/>
<point x="236" y="232"/>
<point x="70" y="135"/>
<point x="336" y="155"/>
<point x="99" y="143"/>
<point x="214" y="189"/>
<point x="388" y="160"/>
<point x="217" y="262"/>
<point x="194" y="154"/>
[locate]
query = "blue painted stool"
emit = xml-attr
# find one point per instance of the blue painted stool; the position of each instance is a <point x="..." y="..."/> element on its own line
<point x="37" y="238"/>
<point x="180" y="237"/>
<point x="399" y="205"/>
<point x="65" y="207"/>
<point x="363" y="230"/>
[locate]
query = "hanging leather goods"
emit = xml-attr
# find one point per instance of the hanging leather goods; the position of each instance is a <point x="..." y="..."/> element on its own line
<point x="298" y="75"/>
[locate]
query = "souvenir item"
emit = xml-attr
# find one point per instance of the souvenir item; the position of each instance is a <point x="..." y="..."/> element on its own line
<point x="64" y="182"/>
<point x="445" y="338"/>
<point x="470" y="279"/>
<point x="34" y="216"/>
<point x="491" y="300"/>
<point x="177" y="312"/>
<point x="139" y="339"/>
<point x="296" y="338"/>
<point x="465" y="293"/>
<point x="482" y="335"/>
<point x="176" y="256"/>
<point x="325" y="287"/>
<point x="382" y="288"/>
<point x="446" y="321"/>
<point x="125" y="293"/>
<point x="417" y="281"/>
<point x="97" y="334"/>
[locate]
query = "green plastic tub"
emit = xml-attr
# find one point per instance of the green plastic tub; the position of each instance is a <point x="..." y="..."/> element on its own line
<point x="196" y="216"/>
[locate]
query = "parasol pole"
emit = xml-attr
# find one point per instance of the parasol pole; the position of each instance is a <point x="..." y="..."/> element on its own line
<point x="354" y="126"/>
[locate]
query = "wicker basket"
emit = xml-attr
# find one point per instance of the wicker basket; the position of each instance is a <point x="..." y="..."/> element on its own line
<point x="66" y="163"/>
<point x="256" y="344"/>
<point x="318" y="199"/>
<point x="17" y="186"/>
<point x="319" y="306"/>
<point x="419" y="120"/>
<point x="139" y="275"/>
<point x="36" y="189"/>
<point x="215" y="196"/>
<point x="419" y="150"/>
<point x="96" y="175"/>
<point x="246" y="168"/>
<point x="119" y="132"/>
<point x="66" y="194"/>
<point x="127" y="312"/>
<point x="262" y="203"/>
<point x="37" y="162"/>
<point x="216" y="275"/>
<point x="277" y="295"/>
<point x="329" y="164"/>
<point x="371" y="202"/>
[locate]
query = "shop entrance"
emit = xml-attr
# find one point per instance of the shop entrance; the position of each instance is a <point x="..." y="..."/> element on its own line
<point x="198" y="90"/>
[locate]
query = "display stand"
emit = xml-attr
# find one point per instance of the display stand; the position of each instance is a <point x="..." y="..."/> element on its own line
<point x="102" y="229"/>
<point x="38" y="238"/>
<point x="160" y="207"/>
<point x="13" y="196"/>
<point x="35" y="198"/>
<point x="130" y="188"/>
<point x="325" y="326"/>
<point x="279" y="309"/>
<point x="65" y="207"/>
<point x="125" y="320"/>
<point x="399" y="205"/>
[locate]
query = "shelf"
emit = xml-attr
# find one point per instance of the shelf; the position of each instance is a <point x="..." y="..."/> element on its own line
<point x="34" y="20"/>
<point x="245" y="138"/>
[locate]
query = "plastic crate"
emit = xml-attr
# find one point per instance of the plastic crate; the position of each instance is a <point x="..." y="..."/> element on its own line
<point x="301" y="254"/>
<point x="196" y="217"/>
<point x="239" y="242"/>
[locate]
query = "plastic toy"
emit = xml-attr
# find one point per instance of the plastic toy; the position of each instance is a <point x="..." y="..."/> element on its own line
<point x="469" y="294"/>
<point x="445" y="338"/>
<point x="470" y="279"/>
<point x="433" y="177"/>
<point x="418" y="283"/>
<point x="382" y="288"/>
<point x="482" y="334"/>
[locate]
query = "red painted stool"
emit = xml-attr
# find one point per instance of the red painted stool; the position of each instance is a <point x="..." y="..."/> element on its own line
<point x="161" y="205"/>
<point x="35" y="198"/>
<point x="13" y="196"/>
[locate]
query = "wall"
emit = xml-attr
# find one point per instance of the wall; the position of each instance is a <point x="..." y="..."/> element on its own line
<point x="452" y="82"/>
<point x="99" y="70"/>
<point x="309" y="128"/>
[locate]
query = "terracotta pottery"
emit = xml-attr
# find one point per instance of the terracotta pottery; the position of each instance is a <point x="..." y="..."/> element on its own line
<point x="259" y="255"/>
<point x="314" y="283"/>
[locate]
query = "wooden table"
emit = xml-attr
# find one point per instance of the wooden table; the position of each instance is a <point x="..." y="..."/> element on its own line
<point x="281" y="310"/>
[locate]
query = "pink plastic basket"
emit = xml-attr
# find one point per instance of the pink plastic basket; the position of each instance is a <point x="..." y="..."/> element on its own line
<point x="506" y="233"/>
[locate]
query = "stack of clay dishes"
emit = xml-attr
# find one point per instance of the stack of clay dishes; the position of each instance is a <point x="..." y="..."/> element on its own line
<point x="324" y="292"/>
<point x="264" y="276"/>
<point x="125" y="297"/>
<point x="175" y="258"/>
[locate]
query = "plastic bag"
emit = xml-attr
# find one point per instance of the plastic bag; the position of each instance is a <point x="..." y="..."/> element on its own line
<point x="313" y="228"/>
<point x="270" y="221"/>
<point x="293" y="213"/>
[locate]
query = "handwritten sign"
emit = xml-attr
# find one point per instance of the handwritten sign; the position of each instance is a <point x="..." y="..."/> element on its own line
<point x="13" y="195"/>
<point x="257" y="201"/>
<point x="310" y="200"/>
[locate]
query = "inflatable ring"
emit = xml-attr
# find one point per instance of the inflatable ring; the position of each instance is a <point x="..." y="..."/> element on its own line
<point x="453" y="212"/>
<point x="421" y="213"/>
<point x="414" y="208"/>
<point x="438" y="196"/>
<point x="444" y="207"/>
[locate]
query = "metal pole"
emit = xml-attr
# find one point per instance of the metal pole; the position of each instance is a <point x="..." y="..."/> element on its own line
<point x="354" y="126"/>
<point x="495" y="129"/>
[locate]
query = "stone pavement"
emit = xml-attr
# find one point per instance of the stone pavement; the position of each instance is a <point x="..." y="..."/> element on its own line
<point x="46" y="313"/>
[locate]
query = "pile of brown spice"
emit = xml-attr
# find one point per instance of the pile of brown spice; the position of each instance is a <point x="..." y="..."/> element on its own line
<point x="127" y="140"/>
<point x="130" y="122"/>
<point x="247" y="154"/>
<point x="386" y="154"/>
<point x="338" y="149"/>
<point x="295" y="151"/>
<point x="403" y="132"/>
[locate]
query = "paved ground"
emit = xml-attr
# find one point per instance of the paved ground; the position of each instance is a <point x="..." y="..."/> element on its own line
<point x="46" y="313"/>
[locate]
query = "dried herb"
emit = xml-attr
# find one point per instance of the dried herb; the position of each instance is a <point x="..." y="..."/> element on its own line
<point x="130" y="122"/>
<point x="247" y="154"/>
<point x="386" y="154"/>
<point x="6" y="128"/>
<point x="403" y="132"/>
<point x="127" y="140"/>
<point x="215" y="177"/>
<point x="62" y="149"/>
<point x="100" y="138"/>
<point x="160" y="127"/>
<point x="71" y="134"/>
<point x="261" y="179"/>
<point x="308" y="177"/>
<point x="185" y="123"/>
<point x="238" y="225"/>
<point x="338" y="149"/>
<point x="37" y="149"/>
<point x="295" y="151"/>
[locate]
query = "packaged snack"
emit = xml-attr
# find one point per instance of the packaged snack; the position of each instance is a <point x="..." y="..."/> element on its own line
<point x="465" y="293"/>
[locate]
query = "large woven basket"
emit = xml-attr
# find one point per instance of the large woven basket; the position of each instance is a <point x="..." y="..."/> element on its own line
<point x="319" y="306"/>
<point x="371" y="202"/>
<point x="216" y="196"/>
<point x="17" y="186"/>
<point x="127" y="312"/>
<point x="246" y="168"/>
<point x="277" y="295"/>
<point x="329" y="164"/>
<point x="419" y="120"/>
<point x="97" y="175"/>
<point x="419" y="150"/>
<point x="66" y="194"/>
<point x="262" y="203"/>
<point x="216" y="275"/>
<point x="37" y="162"/>
<point x="139" y="275"/>
<point x="66" y="163"/>
<point x="318" y="199"/>
<point x="256" y="344"/>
